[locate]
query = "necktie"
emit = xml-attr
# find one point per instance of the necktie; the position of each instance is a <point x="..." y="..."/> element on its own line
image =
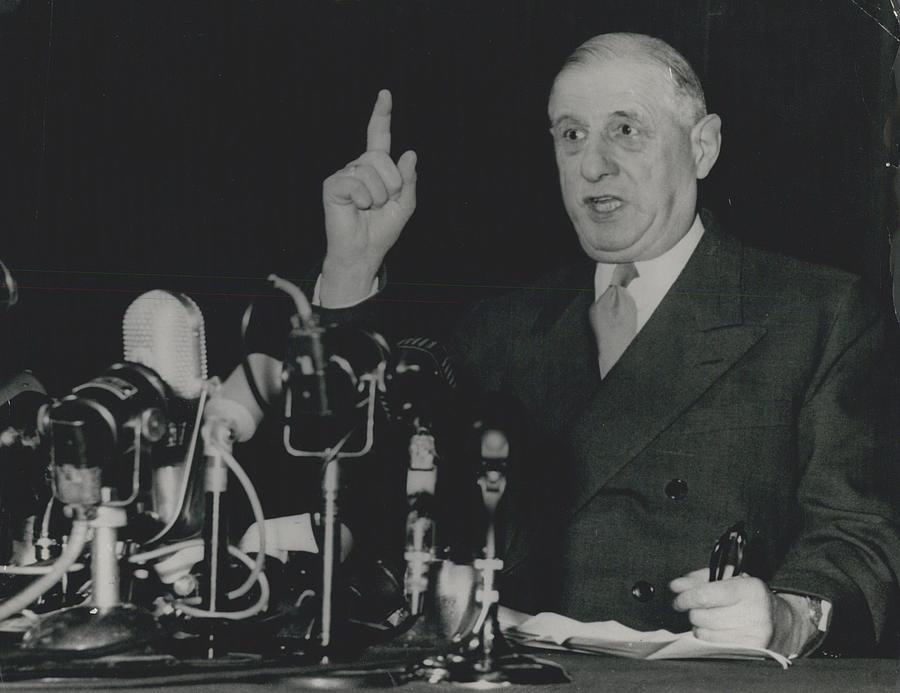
<point x="614" y="317"/>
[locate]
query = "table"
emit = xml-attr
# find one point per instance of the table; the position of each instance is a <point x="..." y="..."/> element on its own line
<point x="589" y="673"/>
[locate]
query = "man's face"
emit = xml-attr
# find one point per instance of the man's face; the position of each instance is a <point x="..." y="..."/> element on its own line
<point x="626" y="162"/>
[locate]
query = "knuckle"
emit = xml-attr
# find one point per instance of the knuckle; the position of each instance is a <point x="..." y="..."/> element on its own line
<point x="360" y="192"/>
<point x="373" y="157"/>
<point x="361" y="169"/>
<point x="701" y="599"/>
<point x="374" y="177"/>
<point x="749" y="588"/>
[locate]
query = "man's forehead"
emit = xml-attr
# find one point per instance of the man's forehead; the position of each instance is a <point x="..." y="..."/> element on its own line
<point x="611" y="86"/>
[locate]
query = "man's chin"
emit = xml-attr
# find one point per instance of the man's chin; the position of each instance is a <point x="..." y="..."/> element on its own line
<point x="604" y="250"/>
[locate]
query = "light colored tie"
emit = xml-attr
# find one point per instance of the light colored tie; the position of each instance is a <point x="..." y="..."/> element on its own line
<point x="614" y="317"/>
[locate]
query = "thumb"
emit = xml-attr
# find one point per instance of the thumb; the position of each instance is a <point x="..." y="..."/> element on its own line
<point x="407" y="167"/>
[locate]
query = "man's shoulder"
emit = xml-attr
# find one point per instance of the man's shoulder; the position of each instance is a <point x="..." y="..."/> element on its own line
<point x="769" y="264"/>
<point x="766" y="273"/>
<point x="785" y="290"/>
<point x="779" y="289"/>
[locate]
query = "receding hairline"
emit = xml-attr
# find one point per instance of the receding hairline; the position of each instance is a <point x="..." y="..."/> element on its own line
<point x="640" y="48"/>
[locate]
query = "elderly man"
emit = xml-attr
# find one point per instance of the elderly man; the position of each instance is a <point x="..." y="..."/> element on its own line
<point x="682" y="382"/>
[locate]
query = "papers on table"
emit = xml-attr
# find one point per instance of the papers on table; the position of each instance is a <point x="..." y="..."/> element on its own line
<point x="552" y="631"/>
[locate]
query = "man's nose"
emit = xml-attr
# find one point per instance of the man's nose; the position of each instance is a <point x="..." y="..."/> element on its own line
<point x="597" y="161"/>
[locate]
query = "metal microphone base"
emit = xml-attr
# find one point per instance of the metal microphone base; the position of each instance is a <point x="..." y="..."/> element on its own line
<point x="485" y="658"/>
<point x="88" y="630"/>
<point x="495" y="672"/>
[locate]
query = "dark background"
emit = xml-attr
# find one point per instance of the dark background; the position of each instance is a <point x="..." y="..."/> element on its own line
<point x="182" y="145"/>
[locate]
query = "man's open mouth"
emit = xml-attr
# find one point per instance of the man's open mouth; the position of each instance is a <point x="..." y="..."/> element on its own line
<point x="603" y="203"/>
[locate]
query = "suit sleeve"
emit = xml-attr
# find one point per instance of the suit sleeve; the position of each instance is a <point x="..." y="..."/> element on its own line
<point x="848" y="546"/>
<point x="270" y="324"/>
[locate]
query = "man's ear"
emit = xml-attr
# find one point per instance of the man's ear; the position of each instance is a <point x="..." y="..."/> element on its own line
<point x="706" y="142"/>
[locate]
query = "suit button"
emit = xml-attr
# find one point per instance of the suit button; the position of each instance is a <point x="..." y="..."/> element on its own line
<point x="642" y="591"/>
<point x="677" y="489"/>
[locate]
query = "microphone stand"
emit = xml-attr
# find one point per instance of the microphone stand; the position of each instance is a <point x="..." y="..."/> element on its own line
<point x="421" y="479"/>
<point x="307" y="356"/>
<point x="331" y="457"/>
<point x="480" y="655"/>
<point x="105" y="622"/>
<point x="217" y="436"/>
<point x="437" y="591"/>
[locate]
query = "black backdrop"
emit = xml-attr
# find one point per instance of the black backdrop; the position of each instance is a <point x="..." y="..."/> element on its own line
<point x="182" y="145"/>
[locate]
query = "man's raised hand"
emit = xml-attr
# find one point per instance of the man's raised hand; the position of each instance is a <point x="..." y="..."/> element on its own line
<point x="367" y="204"/>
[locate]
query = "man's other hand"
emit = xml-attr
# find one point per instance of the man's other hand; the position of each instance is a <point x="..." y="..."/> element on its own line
<point x="367" y="204"/>
<point x="739" y="610"/>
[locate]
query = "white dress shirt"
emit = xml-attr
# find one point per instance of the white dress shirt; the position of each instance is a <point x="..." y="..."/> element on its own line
<point x="655" y="277"/>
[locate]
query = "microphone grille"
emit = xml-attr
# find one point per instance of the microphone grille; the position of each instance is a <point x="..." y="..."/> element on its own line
<point x="164" y="331"/>
<point x="432" y="351"/>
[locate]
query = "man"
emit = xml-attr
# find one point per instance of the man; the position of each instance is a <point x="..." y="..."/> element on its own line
<point x="707" y="383"/>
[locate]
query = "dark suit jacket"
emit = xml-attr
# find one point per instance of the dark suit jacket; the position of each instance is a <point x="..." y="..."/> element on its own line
<point x="757" y="391"/>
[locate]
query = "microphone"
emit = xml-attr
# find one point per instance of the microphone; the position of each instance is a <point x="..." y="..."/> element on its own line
<point x="327" y="385"/>
<point x="165" y="332"/>
<point x="419" y="386"/>
<point x="419" y="382"/>
<point x="24" y="487"/>
<point x="118" y="416"/>
<point x="480" y="641"/>
<point x="98" y="424"/>
<point x="330" y="374"/>
<point x="21" y="398"/>
<point x="494" y="433"/>
<point x="320" y="382"/>
<point x="104" y="436"/>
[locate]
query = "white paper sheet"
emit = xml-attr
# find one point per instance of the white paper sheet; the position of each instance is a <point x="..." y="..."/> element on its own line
<point x="556" y="632"/>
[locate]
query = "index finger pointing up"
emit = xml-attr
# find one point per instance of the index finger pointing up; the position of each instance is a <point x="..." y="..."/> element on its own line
<point x="378" y="134"/>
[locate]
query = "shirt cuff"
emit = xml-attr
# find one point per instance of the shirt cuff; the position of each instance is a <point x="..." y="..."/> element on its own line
<point x="810" y="624"/>
<point x="317" y="299"/>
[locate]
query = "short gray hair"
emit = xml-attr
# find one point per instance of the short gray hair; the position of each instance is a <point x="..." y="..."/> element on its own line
<point x="685" y="84"/>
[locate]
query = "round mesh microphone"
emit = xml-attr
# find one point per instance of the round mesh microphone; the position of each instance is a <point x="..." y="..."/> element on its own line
<point x="164" y="331"/>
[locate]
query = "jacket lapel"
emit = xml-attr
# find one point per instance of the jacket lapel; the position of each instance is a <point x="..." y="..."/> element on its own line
<point x="694" y="336"/>
<point x="567" y="351"/>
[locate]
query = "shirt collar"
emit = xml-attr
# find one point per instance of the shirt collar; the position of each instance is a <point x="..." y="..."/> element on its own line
<point x="656" y="276"/>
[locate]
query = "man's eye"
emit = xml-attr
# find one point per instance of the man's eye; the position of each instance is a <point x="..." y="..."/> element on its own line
<point x="572" y="134"/>
<point x="627" y="130"/>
